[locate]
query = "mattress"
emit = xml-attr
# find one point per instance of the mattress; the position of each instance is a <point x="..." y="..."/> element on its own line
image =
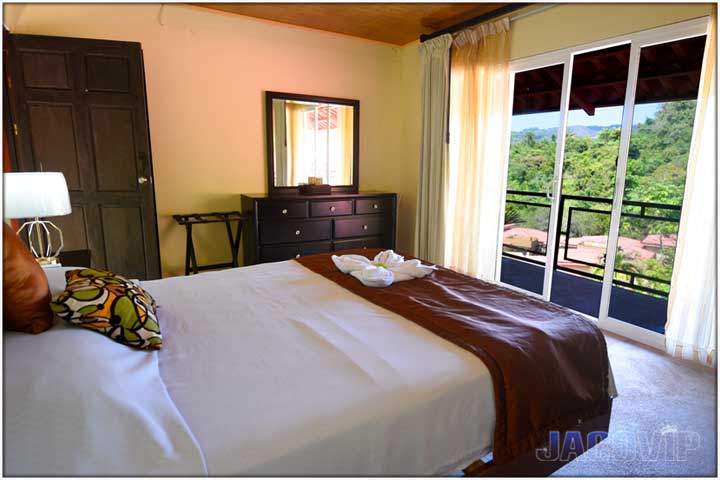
<point x="278" y="371"/>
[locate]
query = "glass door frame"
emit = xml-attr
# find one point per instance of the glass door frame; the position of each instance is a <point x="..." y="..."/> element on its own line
<point x="637" y="41"/>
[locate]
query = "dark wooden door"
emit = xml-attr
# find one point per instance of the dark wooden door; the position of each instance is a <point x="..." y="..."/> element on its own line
<point x="78" y="106"/>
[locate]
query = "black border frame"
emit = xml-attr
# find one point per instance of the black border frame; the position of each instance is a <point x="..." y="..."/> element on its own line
<point x="336" y="189"/>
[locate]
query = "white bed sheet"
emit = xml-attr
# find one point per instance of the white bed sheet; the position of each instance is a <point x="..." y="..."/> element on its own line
<point x="279" y="371"/>
<point x="78" y="403"/>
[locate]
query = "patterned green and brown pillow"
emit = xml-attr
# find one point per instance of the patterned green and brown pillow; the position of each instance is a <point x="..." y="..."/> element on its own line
<point x="109" y="304"/>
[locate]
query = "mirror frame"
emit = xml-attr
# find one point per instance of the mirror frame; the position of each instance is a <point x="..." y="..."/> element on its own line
<point x="336" y="189"/>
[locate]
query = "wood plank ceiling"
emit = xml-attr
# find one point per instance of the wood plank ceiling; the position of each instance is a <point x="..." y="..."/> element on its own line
<point x="668" y="72"/>
<point x="395" y="23"/>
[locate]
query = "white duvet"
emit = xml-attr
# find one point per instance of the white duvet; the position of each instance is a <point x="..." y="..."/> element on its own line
<point x="77" y="403"/>
<point x="279" y="371"/>
<point x="270" y="369"/>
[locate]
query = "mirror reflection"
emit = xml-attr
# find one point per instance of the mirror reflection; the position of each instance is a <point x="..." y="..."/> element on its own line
<point x="312" y="139"/>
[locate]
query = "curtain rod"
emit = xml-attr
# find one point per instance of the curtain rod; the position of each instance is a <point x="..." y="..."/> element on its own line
<point x="499" y="12"/>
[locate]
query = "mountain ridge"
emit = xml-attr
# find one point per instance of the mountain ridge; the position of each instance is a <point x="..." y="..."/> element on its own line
<point x="578" y="130"/>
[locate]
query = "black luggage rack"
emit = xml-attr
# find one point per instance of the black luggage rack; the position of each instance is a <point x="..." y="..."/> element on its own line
<point x="190" y="219"/>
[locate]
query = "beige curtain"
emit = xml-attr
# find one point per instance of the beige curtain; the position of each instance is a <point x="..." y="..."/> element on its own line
<point x="345" y="157"/>
<point x="690" y="331"/>
<point x="294" y="115"/>
<point x="479" y="136"/>
<point x="433" y="186"/>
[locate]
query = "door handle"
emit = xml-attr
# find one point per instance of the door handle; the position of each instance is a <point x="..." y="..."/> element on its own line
<point x="549" y="189"/>
<point x="142" y="180"/>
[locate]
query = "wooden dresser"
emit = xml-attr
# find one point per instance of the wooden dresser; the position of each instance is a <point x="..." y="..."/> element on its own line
<point x="288" y="226"/>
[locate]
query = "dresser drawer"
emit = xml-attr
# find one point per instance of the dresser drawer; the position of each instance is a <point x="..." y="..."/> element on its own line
<point x="373" y="205"/>
<point x="362" y="226"/>
<point x="294" y="231"/>
<point x="331" y="208"/>
<point x="282" y="209"/>
<point x="368" y="242"/>
<point x="278" y="253"/>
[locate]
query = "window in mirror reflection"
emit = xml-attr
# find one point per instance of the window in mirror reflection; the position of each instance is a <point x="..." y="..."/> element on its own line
<point x="318" y="142"/>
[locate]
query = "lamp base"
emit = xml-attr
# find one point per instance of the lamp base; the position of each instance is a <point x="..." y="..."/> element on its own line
<point x="41" y="243"/>
<point x="48" y="261"/>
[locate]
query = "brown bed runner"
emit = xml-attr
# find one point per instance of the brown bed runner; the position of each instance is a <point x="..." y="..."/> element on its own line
<point x="549" y="366"/>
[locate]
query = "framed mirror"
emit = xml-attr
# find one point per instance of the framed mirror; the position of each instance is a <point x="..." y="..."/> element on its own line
<point x="310" y="136"/>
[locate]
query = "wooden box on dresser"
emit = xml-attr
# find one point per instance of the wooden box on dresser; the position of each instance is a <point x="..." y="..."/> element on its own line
<point x="289" y="226"/>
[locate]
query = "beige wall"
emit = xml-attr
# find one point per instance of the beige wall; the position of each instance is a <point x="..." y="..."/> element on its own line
<point x="206" y="72"/>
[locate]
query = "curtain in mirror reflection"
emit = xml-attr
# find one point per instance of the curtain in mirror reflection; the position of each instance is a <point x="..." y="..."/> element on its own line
<point x="318" y="142"/>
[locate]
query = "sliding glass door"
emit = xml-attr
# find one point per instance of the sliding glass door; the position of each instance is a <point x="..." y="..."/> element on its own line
<point x="592" y="142"/>
<point x="533" y="146"/>
<point x="662" y="126"/>
<point x="596" y="173"/>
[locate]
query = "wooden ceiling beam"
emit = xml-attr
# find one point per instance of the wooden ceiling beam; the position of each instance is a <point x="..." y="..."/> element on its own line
<point x="679" y="49"/>
<point x="600" y="56"/>
<point x="586" y="105"/>
<point x="616" y="82"/>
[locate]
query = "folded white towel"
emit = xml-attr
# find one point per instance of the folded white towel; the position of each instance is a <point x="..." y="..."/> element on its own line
<point x="387" y="267"/>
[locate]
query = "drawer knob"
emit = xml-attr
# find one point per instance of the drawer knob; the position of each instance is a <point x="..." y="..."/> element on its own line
<point x="297" y="232"/>
<point x="284" y="211"/>
<point x="365" y="227"/>
<point x="375" y="206"/>
<point x="297" y="255"/>
<point x="332" y="209"/>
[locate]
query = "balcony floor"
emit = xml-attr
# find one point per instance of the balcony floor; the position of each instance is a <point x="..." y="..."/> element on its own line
<point x="583" y="294"/>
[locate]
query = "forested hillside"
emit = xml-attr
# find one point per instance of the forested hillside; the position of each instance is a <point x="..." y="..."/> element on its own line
<point x="656" y="163"/>
<point x="655" y="173"/>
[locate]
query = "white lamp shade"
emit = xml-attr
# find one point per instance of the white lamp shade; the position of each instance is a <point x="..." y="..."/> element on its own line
<point x="36" y="194"/>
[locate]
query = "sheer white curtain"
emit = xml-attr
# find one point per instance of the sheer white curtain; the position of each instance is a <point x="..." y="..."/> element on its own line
<point x="479" y="136"/>
<point x="432" y="190"/>
<point x="691" y="327"/>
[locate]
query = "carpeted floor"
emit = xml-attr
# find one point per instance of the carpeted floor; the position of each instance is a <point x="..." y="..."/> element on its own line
<point x="663" y="423"/>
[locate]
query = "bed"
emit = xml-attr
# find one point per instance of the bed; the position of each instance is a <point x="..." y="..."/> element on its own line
<point x="266" y="370"/>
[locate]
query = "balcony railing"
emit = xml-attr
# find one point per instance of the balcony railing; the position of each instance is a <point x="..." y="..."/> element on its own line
<point x="644" y="211"/>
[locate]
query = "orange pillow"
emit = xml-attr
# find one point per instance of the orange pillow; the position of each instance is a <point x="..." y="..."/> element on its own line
<point x="26" y="293"/>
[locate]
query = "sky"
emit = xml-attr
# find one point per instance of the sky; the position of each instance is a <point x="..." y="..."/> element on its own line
<point x="603" y="117"/>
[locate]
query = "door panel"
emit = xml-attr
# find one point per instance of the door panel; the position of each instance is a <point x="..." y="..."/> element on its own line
<point x="662" y="127"/>
<point x="74" y="229"/>
<point x="113" y="140"/>
<point x="45" y="69"/>
<point x="52" y="136"/>
<point x="124" y="254"/>
<point x="79" y="106"/>
<point x="107" y="74"/>
<point x="531" y="166"/>
<point x="592" y="142"/>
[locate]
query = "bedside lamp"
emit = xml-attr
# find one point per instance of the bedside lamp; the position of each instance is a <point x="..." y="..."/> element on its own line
<point x="35" y="195"/>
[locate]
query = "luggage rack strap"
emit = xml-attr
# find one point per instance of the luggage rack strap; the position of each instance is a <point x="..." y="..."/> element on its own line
<point x="211" y="217"/>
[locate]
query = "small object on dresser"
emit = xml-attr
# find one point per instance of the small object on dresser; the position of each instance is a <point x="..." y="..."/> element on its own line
<point x="323" y="189"/>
